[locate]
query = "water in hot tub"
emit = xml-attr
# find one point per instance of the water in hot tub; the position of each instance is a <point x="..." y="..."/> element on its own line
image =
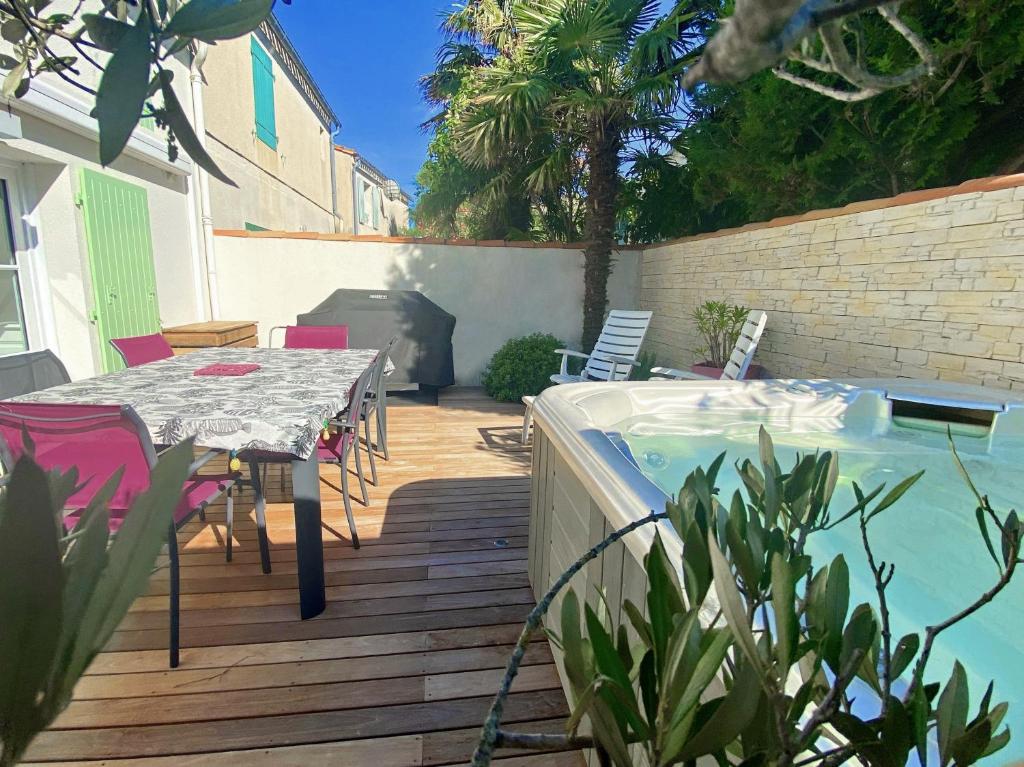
<point x="931" y="534"/>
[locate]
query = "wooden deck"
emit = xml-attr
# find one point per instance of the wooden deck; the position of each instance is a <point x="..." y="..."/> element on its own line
<point x="400" y="668"/>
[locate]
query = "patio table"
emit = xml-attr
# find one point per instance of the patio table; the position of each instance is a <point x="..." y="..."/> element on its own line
<point x="278" y="410"/>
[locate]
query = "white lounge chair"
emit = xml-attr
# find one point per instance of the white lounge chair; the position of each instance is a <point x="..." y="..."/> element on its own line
<point x="739" y="361"/>
<point x="612" y="359"/>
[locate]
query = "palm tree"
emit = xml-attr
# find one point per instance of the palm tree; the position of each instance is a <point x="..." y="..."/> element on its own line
<point x="603" y="76"/>
<point x="503" y="199"/>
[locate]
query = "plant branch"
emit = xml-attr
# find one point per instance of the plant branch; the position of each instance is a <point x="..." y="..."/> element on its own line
<point x="488" y="736"/>
<point x="759" y="35"/>
<point x="933" y="631"/>
<point x="48" y="55"/>
<point x="542" y="741"/>
<point x="16" y="9"/>
<point x="878" y="575"/>
<point x="829" y="704"/>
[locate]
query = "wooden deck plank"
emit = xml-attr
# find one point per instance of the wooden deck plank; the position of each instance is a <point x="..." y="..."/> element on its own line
<point x="400" y="668"/>
<point x="279" y="696"/>
<point x="287" y="730"/>
<point x="293" y="673"/>
<point x="433" y="749"/>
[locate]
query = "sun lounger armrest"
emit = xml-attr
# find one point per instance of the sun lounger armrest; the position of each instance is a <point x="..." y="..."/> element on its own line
<point x="616" y="361"/>
<point x="566" y="353"/>
<point x="678" y="375"/>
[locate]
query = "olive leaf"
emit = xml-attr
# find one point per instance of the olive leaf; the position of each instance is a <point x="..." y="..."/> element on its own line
<point x="212" y="20"/>
<point x="176" y="120"/>
<point x="104" y="31"/>
<point x="122" y="91"/>
<point x="31" y="594"/>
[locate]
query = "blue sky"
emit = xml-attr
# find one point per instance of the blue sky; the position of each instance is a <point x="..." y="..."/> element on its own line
<point x="367" y="56"/>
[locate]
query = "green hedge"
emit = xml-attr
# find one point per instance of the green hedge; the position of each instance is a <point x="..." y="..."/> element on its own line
<point x="522" y="366"/>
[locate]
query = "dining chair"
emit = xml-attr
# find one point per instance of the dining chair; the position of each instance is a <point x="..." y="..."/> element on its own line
<point x="342" y="435"/>
<point x="100" y="440"/>
<point x="312" y="336"/>
<point x="375" y="408"/>
<point x="138" y="350"/>
<point x="30" y="372"/>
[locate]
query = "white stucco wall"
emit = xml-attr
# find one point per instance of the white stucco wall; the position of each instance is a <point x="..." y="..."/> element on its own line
<point x="495" y="292"/>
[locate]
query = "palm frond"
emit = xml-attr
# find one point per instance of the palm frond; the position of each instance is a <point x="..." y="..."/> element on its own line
<point x="671" y="38"/>
<point x="454" y="62"/>
<point x="552" y="170"/>
<point x="509" y="112"/>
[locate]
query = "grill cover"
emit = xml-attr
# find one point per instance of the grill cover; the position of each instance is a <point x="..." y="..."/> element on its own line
<point x="423" y="354"/>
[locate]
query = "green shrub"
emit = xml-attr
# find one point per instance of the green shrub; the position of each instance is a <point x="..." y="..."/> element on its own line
<point x="646" y="360"/>
<point x="523" y="366"/>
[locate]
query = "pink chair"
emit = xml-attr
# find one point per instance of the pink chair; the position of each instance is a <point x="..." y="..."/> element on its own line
<point x="315" y="336"/>
<point x="98" y="440"/>
<point x="138" y="350"/>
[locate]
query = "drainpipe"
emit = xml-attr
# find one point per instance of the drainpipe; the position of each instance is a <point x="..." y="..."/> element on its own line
<point x="198" y="260"/>
<point x="355" y="194"/>
<point x="195" y="77"/>
<point x="334" y="181"/>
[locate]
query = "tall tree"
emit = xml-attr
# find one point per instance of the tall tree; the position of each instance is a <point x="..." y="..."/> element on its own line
<point x="765" y="148"/>
<point x="603" y="76"/>
<point x="504" y="200"/>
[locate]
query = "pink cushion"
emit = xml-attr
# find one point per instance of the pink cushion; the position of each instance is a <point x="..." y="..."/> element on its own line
<point x="329" y="450"/>
<point x="138" y="350"/>
<point x="316" y="337"/>
<point x="227" y="369"/>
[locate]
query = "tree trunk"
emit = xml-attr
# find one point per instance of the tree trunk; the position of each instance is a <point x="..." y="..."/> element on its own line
<point x="603" y="148"/>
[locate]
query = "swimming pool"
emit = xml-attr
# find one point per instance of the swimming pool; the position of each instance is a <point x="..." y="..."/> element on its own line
<point x="629" y="446"/>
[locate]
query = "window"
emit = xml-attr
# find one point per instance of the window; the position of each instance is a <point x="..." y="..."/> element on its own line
<point x="263" y="91"/>
<point x="364" y="192"/>
<point x="13" y="335"/>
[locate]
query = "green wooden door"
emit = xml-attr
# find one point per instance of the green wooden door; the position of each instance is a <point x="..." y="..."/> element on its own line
<point x="120" y="248"/>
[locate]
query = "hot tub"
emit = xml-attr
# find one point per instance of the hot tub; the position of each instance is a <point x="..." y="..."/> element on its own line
<point x="607" y="454"/>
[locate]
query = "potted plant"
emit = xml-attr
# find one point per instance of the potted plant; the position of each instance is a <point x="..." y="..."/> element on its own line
<point x="750" y="651"/>
<point x="719" y="325"/>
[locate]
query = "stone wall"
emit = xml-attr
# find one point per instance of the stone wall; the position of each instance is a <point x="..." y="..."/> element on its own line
<point x="924" y="285"/>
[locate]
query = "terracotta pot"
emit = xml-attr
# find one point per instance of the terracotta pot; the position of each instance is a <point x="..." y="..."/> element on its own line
<point x="705" y="368"/>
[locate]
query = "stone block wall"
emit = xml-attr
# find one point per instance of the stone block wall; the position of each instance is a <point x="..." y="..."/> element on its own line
<point x="925" y="285"/>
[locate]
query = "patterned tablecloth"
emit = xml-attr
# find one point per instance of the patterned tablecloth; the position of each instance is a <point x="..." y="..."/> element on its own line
<point x="279" y="408"/>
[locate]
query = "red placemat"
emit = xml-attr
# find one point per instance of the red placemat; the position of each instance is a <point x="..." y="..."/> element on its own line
<point x="227" y="369"/>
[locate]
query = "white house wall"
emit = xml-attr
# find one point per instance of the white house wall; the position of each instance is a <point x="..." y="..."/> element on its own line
<point x="289" y="188"/>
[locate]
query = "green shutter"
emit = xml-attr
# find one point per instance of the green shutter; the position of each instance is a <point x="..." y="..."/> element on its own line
<point x="376" y="207"/>
<point x="361" y="202"/>
<point x="254" y="227"/>
<point x="120" y="249"/>
<point x="263" y="92"/>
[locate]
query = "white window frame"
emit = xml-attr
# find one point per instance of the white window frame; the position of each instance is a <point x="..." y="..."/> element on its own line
<point x="29" y="263"/>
